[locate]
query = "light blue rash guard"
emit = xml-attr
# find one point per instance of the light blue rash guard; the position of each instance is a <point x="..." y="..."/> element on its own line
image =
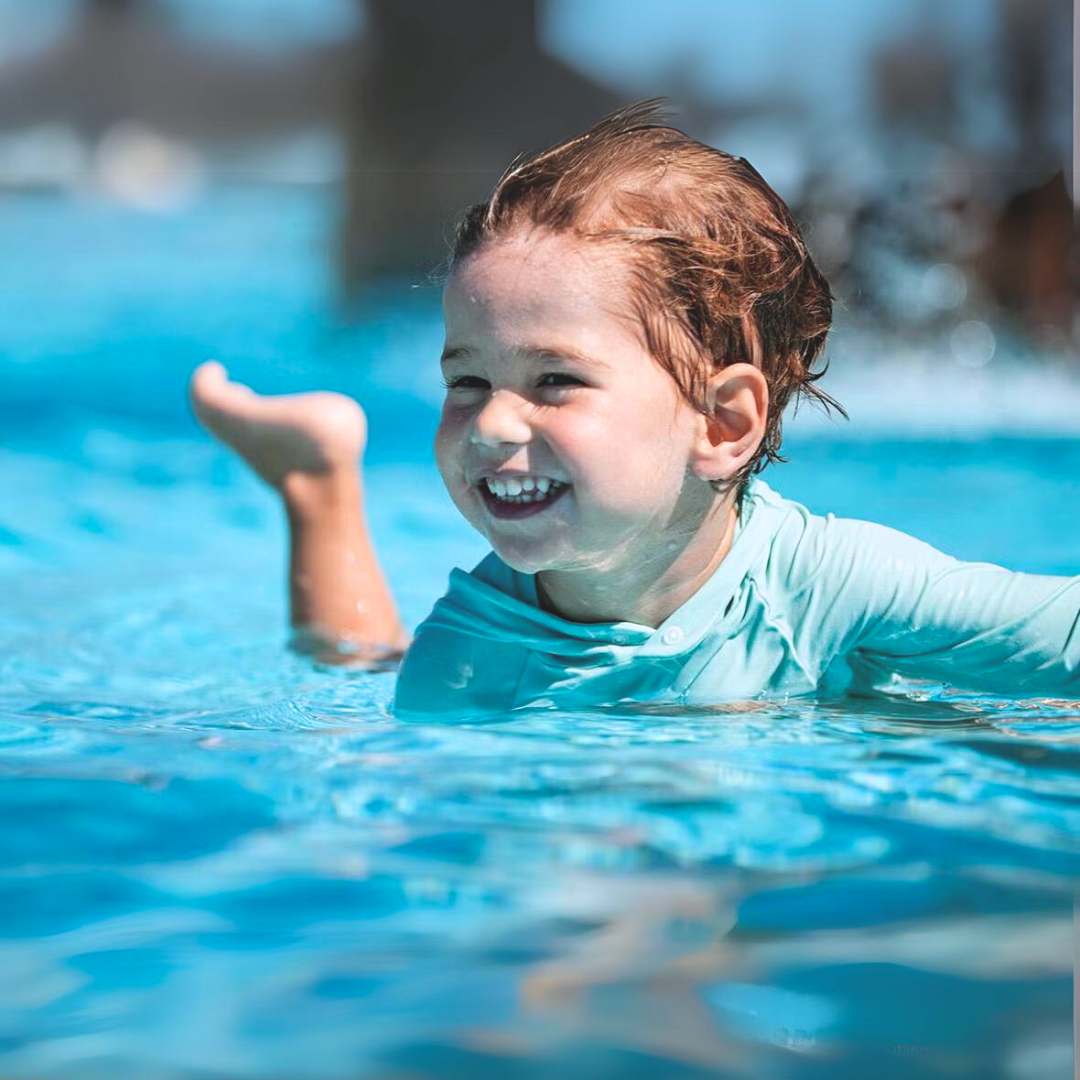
<point x="801" y="604"/>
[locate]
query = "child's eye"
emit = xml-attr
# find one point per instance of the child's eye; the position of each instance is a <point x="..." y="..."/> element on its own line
<point x="570" y="381"/>
<point x="465" y="382"/>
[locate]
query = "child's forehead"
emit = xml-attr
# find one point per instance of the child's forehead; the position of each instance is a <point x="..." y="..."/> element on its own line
<point x="539" y="290"/>
<point x="537" y="259"/>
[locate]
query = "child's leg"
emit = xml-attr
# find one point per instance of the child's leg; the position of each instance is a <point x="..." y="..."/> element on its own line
<point x="308" y="447"/>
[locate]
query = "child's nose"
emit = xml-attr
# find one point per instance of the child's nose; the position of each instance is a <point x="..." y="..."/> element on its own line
<point x="501" y="420"/>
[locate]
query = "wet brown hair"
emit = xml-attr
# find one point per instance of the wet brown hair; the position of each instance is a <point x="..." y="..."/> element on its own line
<point x="720" y="271"/>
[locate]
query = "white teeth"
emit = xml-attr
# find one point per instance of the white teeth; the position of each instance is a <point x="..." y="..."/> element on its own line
<point x="522" y="488"/>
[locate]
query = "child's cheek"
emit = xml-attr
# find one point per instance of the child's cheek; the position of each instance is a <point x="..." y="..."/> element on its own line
<point x="445" y="441"/>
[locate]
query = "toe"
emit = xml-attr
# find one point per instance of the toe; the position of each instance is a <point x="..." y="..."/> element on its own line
<point x="212" y="390"/>
<point x="206" y="378"/>
<point x="213" y="397"/>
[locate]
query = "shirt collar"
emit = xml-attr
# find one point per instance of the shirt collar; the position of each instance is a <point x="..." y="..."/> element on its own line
<point x="507" y="605"/>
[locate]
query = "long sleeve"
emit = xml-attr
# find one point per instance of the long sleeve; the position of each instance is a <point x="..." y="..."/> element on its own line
<point x="892" y="603"/>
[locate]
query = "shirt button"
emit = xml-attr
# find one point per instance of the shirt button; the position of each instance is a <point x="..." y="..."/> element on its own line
<point x="672" y="635"/>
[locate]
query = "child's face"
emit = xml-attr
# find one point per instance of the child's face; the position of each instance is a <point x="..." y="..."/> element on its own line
<point x="549" y="379"/>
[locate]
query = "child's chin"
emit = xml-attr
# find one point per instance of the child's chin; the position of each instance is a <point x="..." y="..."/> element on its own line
<point x="525" y="562"/>
<point x="522" y="565"/>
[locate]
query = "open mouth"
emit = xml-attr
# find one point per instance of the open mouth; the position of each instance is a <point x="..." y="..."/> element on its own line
<point x="506" y="502"/>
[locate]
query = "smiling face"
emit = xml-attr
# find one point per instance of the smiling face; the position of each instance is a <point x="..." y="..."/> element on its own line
<point x="551" y="390"/>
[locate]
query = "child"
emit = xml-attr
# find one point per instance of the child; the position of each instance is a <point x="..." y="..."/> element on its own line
<point x="627" y="317"/>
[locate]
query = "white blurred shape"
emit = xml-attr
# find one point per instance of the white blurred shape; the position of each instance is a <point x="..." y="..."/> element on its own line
<point x="141" y="168"/>
<point x="944" y="287"/>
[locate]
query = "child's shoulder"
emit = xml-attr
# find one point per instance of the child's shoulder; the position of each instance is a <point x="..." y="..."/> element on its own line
<point x="804" y="547"/>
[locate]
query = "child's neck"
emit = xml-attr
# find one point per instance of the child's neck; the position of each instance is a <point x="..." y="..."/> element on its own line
<point x="644" y="590"/>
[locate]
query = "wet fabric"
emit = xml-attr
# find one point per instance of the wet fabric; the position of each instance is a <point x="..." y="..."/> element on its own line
<point x="801" y="604"/>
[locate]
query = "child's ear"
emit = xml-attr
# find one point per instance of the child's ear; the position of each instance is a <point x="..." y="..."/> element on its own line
<point x="738" y="399"/>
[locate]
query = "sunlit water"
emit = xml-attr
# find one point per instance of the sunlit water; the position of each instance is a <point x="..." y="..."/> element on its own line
<point x="217" y="859"/>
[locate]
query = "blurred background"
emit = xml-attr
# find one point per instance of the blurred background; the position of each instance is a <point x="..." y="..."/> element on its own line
<point x="252" y="178"/>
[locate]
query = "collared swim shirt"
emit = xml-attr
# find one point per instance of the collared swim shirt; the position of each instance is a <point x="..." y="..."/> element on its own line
<point x="801" y="604"/>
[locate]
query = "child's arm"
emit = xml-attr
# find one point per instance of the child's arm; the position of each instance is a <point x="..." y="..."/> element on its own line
<point x="899" y="605"/>
<point x="308" y="447"/>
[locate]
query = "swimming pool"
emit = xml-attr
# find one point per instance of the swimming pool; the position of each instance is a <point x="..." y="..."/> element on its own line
<point x="217" y="859"/>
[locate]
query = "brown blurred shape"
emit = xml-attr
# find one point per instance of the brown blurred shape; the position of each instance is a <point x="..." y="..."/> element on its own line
<point x="449" y="94"/>
<point x="1030" y="262"/>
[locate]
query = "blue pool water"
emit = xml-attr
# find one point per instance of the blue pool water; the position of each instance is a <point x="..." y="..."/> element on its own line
<point x="217" y="859"/>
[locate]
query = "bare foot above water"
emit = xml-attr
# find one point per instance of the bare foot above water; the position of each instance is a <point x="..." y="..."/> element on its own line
<point x="279" y="435"/>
